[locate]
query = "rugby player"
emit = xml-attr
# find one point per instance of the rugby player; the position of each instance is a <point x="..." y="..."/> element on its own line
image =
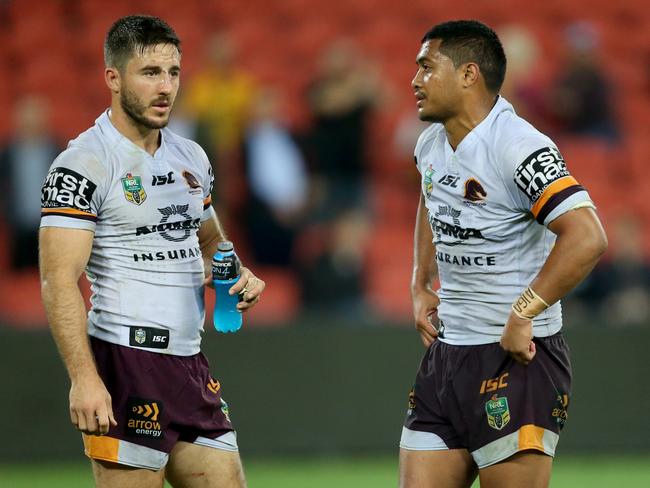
<point x="512" y="233"/>
<point x="129" y="201"/>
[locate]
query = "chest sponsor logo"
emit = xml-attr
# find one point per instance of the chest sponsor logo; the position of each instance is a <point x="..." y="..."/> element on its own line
<point x="149" y="337"/>
<point x="449" y="180"/>
<point x="539" y="170"/>
<point x="176" y="230"/>
<point x="442" y="229"/>
<point x="474" y="192"/>
<point x="159" y="180"/>
<point x="143" y="418"/>
<point x="479" y="261"/>
<point x="133" y="191"/>
<point x="427" y="180"/>
<point x="169" y="255"/>
<point x="498" y="413"/>
<point x="65" y="188"/>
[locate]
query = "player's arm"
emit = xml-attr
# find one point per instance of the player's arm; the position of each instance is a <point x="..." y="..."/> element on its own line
<point x="63" y="256"/>
<point x="581" y="240"/>
<point x="425" y="272"/>
<point x="210" y="234"/>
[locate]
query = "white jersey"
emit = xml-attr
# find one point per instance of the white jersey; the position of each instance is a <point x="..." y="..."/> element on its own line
<point x="145" y="269"/>
<point x="489" y="203"/>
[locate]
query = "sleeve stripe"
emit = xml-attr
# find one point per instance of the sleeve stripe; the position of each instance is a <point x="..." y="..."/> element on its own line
<point x="207" y="201"/>
<point x="68" y="212"/>
<point x="556" y="200"/>
<point x="552" y="189"/>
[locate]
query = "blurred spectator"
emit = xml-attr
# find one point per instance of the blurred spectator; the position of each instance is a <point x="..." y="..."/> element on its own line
<point x="581" y="99"/>
<point x="341" y="99"/>
<point x="218" y="98"/>
<point x="24" y="162"/>
<point x="618" y="291"/>
<point x="278" y="182"/>
<point x="523" y="85"/>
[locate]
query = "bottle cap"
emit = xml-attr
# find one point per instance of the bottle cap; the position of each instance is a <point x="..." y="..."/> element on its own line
<point x="225" y="246"/>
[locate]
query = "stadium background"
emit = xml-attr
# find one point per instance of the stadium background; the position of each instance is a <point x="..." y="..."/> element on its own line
<point x="307" y="386"/>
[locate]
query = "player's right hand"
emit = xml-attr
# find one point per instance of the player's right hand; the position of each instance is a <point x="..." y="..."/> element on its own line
<point x="425" y="312"/>
<point x="517" y="339"/>
<point x="91" y="409"/>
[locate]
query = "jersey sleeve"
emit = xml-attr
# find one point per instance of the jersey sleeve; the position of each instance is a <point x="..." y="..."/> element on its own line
<point x="73" y="190"/>
<point x="539" y="181"/>
<point x="207" y="183"/>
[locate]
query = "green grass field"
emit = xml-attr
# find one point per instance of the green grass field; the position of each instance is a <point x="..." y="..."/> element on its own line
<point x="381" y="472"/>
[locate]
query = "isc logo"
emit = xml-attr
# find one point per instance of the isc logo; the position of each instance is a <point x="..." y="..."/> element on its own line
<point x="449" y="180"/>
<point x="494" y="384"/>
<point x="159" y="338"/>
<point x="159" y="180"/>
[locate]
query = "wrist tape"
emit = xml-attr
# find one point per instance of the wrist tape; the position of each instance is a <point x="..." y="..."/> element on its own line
<point x="529" y="305"/>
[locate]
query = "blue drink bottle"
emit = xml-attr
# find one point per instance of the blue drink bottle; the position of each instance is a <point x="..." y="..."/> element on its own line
<point x="225" y="273"/>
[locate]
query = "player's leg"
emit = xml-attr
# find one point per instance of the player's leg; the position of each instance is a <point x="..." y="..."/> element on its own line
<point x="197" y="466"/>
<point x="531" y="469"/>
<point x="452" y="468"/>
<point x="113" y="475"/>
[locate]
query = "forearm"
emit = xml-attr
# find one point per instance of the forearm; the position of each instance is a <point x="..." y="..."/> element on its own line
<point x="580" y="243"/>
<point x="425" y="269"/>
<point x="66" y="314"/>
<point x="211" y="233"/>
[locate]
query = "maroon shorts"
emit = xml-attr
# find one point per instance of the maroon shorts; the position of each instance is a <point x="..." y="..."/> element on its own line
<point x="478" y="398"/>
<point x="158" y="399"/>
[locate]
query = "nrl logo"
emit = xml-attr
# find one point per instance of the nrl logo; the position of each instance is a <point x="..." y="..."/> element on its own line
<point x="498" y="413"/>
<point x="428" y="180"/>
<point x="133" y="191"/>
<point x="140" y="336"/>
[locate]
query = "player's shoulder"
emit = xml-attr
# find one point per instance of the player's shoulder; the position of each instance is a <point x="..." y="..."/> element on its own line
<point x="513" y="137"/>
<point x="184" y="146"/>
<point x="428" y="137"/>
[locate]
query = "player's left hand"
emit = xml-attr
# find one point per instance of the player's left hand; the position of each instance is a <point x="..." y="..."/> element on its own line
<point x="517" y="339"/>
<point x="250" y="287"/>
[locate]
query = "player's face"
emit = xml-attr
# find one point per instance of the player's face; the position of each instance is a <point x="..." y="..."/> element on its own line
<point x="436" y="84"/>
<point x="149" y="85"/>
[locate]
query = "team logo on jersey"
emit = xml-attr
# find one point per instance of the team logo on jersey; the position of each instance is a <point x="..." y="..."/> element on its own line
<point x="498" y="413"/>
<point x="474" y="191"/>
<point x="133" y="191"/>
<point x="427" y="182"/>
<point x="539" y="170"/>
<point x="65" y="188"/>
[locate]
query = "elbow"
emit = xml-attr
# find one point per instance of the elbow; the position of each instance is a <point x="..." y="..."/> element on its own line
<point x="597" y="244"/>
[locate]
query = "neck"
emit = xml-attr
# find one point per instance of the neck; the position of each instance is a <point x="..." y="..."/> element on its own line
<point x="144" y="137"/>
<point x="471" y="115"/>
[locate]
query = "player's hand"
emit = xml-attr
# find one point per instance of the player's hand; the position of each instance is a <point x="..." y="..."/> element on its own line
<point x="425" y="311"/>
<point x="517" y="339"/>
<point x="91" y="410"/>
<point x="250" y="287"/>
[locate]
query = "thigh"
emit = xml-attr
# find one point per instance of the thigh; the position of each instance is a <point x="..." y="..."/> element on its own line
<point x="451" y="468"/>
<point x="196" y="466"/>
<point x="531" y="469"/>
<point x="112" y="475"/>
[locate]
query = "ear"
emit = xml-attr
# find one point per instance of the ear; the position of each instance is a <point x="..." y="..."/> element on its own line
<point x="471" y="73"/>
<point x="113" y="79"/>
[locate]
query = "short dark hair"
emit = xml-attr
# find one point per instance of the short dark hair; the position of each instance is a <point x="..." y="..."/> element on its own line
<point x="465" y="41"/>
<point x="135" y="33"/>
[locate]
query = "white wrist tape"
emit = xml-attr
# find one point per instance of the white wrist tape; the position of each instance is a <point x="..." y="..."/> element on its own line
<point x="529" y="305"/>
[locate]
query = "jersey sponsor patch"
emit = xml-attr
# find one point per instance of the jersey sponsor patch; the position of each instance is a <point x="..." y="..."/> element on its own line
<point x="149" y="337"/>
<point x="539" y="170"/>
<point x="67" y="192"/>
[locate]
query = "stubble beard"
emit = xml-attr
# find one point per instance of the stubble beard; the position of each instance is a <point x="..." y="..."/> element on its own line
<point x="136" y="111"/>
